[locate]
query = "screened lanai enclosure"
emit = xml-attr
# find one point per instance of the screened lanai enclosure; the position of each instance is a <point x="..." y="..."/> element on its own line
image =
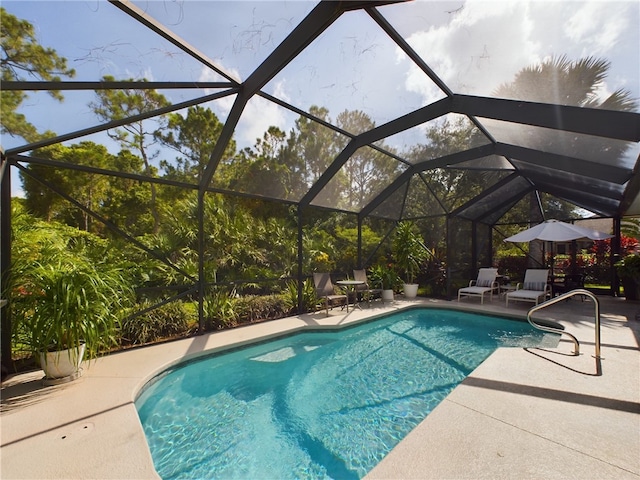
<point x="166" y="126"/>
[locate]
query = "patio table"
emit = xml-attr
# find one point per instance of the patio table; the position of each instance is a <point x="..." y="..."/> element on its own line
<point x="350" y="286"/>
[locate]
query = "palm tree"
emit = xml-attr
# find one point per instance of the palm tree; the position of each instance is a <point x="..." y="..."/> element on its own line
<point x="579" y="84"/>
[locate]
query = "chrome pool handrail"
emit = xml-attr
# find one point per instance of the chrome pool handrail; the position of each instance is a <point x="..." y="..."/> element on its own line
<point x="564" y="296"/>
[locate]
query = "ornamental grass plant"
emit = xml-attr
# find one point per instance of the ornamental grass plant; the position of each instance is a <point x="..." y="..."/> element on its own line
<point x="68" y="303"/>
<point x="66" y="287"/>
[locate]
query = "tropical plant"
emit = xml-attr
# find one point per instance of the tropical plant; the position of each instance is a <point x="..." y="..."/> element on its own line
<point x="408" y="250"/>
<point x="576" y="83"/>
<point x="65" y="286"/>
<point x="65" y="303"/>
<point x="629" y="267"/>
<point x="220" y="309"/>
<point x="385" y="276"/>
<point x="628" y="270"/>
<point x="630" y="227"/>
<point x="308" y="295"/>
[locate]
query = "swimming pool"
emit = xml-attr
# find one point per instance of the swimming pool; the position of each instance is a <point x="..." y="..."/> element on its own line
<point x="324" y="404"/>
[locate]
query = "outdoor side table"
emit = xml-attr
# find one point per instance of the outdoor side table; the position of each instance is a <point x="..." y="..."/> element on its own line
<point x="350" y="287"/>
<point x="504" y="289"/>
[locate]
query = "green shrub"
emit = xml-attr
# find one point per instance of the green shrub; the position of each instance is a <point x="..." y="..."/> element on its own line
<point x="384" y="276"/>
<point x="254" y="308"/>
<point x="166" y="321"/>
<point x="513" y="266"/>
<point x="220" y="309"/>
<point x="309" y="299"/>
<point x="629" y="267"/>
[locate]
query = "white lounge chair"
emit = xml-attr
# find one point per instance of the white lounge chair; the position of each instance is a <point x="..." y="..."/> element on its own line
<point x="535" y="287"/>
<point x="485" y="283"/>
<point x="326" y="291"/>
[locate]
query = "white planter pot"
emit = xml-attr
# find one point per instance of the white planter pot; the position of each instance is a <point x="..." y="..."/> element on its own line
<point x="387" y="295"/>
<point x="64" y="364"/>
<point x="410" y="290"/>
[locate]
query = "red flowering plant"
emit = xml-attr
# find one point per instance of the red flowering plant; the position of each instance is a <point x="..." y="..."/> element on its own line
<point x="628" y="267"/>
<point x="602" y="248"/>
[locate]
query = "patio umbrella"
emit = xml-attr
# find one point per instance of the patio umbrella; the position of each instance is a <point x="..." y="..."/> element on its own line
<point x="556" y="231"/>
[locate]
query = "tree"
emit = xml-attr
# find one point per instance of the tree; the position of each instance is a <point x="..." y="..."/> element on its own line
<point x="127" y="203"/>
<point x="21" y="57"/>
<point x="560" y="81"/>
<point x="263" y="168"/>
<point x="122" y="201"/>
<point x="89" y="190"/>
<point x="367" y="170"/>
<point x="452" y="186"/>
<point x="311" y="148"/>
<point x="123" y="103"/>
<point x="194" y="137"/>
<point x="285" y="166"/>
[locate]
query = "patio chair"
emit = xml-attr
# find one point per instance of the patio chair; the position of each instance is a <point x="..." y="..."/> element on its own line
<point x="485" y="283"/>
<point x="366" y="290"/>
<point x="325" y="290"/>
<point x="535" y="287"/>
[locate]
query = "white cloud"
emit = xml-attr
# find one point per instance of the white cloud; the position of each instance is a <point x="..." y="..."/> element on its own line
<point x="280" y="92"/>
<point x="259" y="114"/>
<point x="224" y="104"/>
<point x="486" y="43"/>
<point x="483" y="46"/>
<point x="597" y="26"/>
<point x="147" y="74"/>
<point x="208" y="75"/>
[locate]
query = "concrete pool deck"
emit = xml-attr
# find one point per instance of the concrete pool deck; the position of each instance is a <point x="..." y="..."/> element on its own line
<point x="523" y="413"/>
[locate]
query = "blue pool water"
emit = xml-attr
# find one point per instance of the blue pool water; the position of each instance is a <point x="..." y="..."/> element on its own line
<point x="319" y="404"/>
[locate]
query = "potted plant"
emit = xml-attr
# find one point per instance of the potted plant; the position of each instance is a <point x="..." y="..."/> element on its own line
<point x="387" y="278"/>
<point x="67" y="310"/>
<point x="628" y="270"/>
<point x="409" y="253"/>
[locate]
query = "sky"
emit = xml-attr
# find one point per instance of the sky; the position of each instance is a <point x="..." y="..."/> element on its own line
<point x="474" y="46"/>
